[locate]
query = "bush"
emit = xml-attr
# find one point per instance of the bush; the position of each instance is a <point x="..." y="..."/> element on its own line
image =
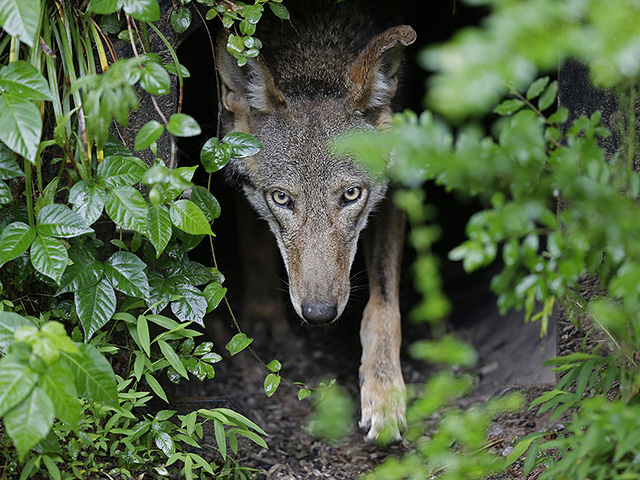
<point x="559" y="208"/>
<point x="94" y="249"/>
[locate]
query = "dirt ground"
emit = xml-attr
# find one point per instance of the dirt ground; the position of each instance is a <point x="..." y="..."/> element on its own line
<point x="510" y="355"/>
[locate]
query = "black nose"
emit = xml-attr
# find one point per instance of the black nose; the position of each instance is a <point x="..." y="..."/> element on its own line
<point x="319" y="313"/>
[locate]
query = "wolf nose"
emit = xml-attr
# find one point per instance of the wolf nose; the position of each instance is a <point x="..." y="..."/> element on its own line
<point x="319" y="313"/>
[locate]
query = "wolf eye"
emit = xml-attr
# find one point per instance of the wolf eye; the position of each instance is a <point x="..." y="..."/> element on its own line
<point x="351" y="194"/>
<point x="281" y="198"/>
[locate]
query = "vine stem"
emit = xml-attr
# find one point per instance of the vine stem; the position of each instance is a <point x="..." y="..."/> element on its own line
<point x="28" y="186"/>
<point x="237" y="325"/>
<point x="537" y="111"/>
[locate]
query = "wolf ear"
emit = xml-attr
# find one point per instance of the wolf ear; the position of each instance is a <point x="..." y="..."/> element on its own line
<point x="374" y="74"/>
<point x="248" y="88"/>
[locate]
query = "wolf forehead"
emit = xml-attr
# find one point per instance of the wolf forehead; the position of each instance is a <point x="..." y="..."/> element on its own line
<point x="299" y="147"/>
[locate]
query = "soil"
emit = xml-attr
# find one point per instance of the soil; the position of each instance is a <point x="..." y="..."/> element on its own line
<point x="510" y="356"/>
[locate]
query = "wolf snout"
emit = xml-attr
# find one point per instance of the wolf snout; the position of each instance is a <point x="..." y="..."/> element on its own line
<point x="319" y="313"/>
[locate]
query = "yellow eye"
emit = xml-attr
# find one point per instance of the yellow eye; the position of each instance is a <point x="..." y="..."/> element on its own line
<point x="281" y="198"/>
<point x="352" y="194"/>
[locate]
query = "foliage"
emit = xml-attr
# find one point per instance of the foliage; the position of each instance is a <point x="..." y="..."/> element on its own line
<point x="558" y="208"/>
<point x="240" y="18"/>
<point x="94" y="250"/>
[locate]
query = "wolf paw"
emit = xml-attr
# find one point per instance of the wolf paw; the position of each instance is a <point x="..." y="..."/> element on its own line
<point x="383" y="409"/>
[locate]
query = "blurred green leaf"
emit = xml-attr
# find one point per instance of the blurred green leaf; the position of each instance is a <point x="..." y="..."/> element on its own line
<point x="20" y="19"/>
<point x="144" y="10"/>
<point x="29" y="421"/>
<point x="149" y="133"/>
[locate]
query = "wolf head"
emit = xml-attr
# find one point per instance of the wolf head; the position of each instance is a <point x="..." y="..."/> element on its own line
<point x="312" y="83"/>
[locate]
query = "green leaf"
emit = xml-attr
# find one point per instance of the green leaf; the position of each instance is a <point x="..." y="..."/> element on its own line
<point x="52" y="468"/>
<point x="118" y="171"/>
<point x="16" y="239"/>
<point x="127" y="208"/>
<point x="93" y="375"/>
<point x="155" y="80"/>
<point x="143" y="10"/>
<point x="159" y="228"/>
<point x="509" y="107"/>
<point x="23" y="79"/>
<point x="239" y="342"/>
<point x="148" y="134"/>
<point x="252" y="13"/>
<point x="253" y="437"/>
<point x="214" y="293"/>
<point x="114" y="147"/>
<point x="280" y="11"/>
<point x="58" y="221"/>
<point x="105" y="7"/>
<point x="5" y="194"/>
<point x="180" y="19"/>
<point x="237" y="419"/>
<point x="88" y="200"/>
<point x="191" y="307"/>
<point x="179" y="180"/>
<point x="537" y="87"/>
<point x="20" y="125"/>
<point x="95" y="306"/>
<point x="271" y="383"/>
<point x="189" y="218"/>
<point x="19" y="18"/>
<point x="206" y="201"/>
<point x="221" y="438"/>
<point x="522" y="446"/>
<point x="142" y="326"/>
<point x="156" y="387"/>
<point x="164" y="442"/>
<point x="182" y="125"/>
<point x="49" y="257"/>
<point x="274" y="366"/>
<point x="172" y="358"/>
<point x="126" y="273"/>
<point x="214" y="155"/>
<point x="303" y="393"/>
<point x="235" y="45"/>
<point x="247" y="28"/>
<point x="59" y="384"/>
<point x="77" y="277"/>
<point x="242" y="144"/>
<point x="16" y="382"/>
<point x="208" y="360"/>
<point x="549" y="96"/>
<point x="30" y="421"/>
<point x="9" y="323"/>
<point x="172" y="68"/>
<point x="9" y="167"/>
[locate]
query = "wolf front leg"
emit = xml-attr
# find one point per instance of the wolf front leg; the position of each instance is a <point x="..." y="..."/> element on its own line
<point x="382" y="389"/>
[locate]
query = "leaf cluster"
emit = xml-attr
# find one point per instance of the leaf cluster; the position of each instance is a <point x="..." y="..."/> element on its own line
<point x="557" y="208"/>
<point x="94" y="249"/>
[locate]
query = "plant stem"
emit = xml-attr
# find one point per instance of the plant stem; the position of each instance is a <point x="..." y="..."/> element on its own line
<point x="28" y="192"/>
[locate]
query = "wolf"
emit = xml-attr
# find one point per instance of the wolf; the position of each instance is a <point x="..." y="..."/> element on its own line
<point x="332" y="69"/>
